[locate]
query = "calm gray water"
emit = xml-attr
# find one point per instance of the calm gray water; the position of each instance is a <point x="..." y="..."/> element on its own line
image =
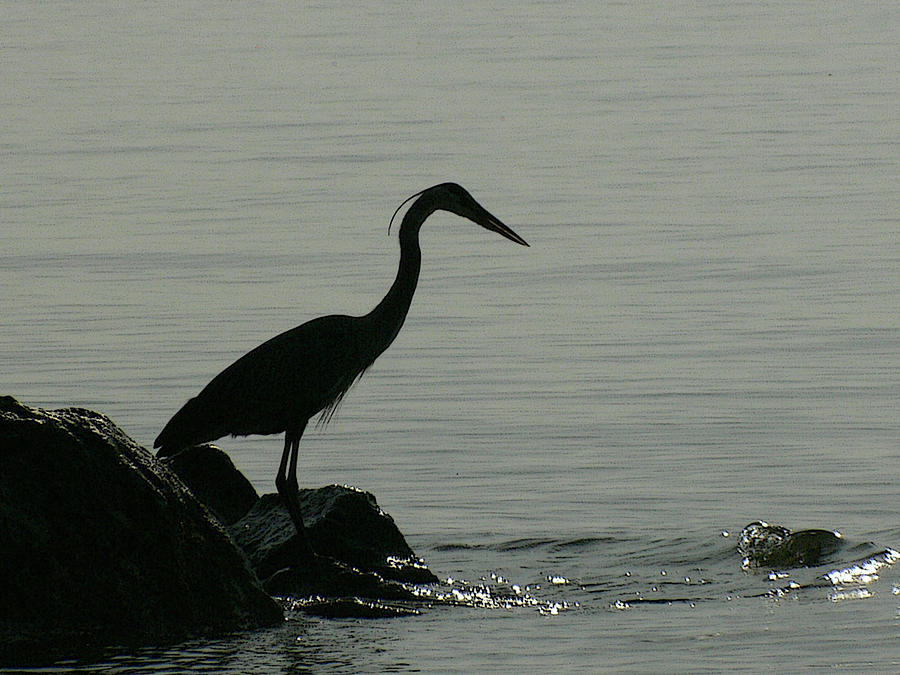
<point x="704" y="332"/>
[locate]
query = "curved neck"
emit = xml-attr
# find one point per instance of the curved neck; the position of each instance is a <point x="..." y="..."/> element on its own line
<point x="389" y="314"/>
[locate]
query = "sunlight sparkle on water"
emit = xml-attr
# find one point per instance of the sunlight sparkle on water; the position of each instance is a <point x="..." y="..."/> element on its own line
<point x="854" y="594"/>
<point x="498" y="593"/>
<point x="865" y="572"/>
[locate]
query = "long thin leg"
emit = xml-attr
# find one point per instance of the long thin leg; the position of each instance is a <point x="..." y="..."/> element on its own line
<point x="286" y="481"/>
<point x="281" y="477"/>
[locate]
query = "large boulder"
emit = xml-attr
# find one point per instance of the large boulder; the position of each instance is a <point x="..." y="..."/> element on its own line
<point x="360" y="551"/>
<point x="101" y="544"/>
<point x="215" y="481"/>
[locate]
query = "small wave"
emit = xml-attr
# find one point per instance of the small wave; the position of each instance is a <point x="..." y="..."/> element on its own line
<point x="459" y="547"/>
<point x="584" y="542"/>
<point x="530" y="543"/>
<point x="524" y="544"/>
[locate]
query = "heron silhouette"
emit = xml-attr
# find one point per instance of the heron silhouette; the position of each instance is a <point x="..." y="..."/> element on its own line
<point x="284" y="382"/>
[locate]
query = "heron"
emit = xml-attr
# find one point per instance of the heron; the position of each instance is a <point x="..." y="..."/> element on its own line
<point x="284" y="382"/>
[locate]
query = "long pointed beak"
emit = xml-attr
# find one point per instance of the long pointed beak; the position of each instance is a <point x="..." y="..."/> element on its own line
<point x="489" y="222"/>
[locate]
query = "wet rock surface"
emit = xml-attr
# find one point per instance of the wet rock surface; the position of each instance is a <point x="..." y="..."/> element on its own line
<point x="102" y="544"/>
<point x="212" y="477"/>
<point x="343" y="524"/>
<point x="360" y="552"/>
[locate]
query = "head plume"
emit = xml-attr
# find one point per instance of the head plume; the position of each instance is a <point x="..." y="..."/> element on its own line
<point x="404" y="203"/>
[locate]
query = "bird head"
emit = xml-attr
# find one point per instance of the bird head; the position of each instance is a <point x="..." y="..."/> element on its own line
<point x="456" y="199"/>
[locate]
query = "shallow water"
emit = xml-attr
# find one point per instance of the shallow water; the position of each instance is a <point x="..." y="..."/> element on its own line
<point x="703" y="333"/>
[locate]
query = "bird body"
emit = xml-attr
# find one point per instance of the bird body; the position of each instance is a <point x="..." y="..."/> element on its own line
<point x="279" y="384"/>
<point x="284" y="382"/>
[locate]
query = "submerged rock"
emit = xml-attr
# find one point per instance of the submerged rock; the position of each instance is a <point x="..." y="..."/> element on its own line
<point x="764" y="545"/>
<point x="101" y="544"/>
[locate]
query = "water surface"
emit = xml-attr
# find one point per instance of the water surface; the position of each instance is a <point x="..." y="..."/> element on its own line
<point x="703" y="333"/>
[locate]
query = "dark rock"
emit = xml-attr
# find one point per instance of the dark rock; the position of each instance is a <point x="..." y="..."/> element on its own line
<point x="360" y="550"/>
<point x="774" y="546"/>
<point x="100" y="544"/>
<point x="214" y="480"/>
